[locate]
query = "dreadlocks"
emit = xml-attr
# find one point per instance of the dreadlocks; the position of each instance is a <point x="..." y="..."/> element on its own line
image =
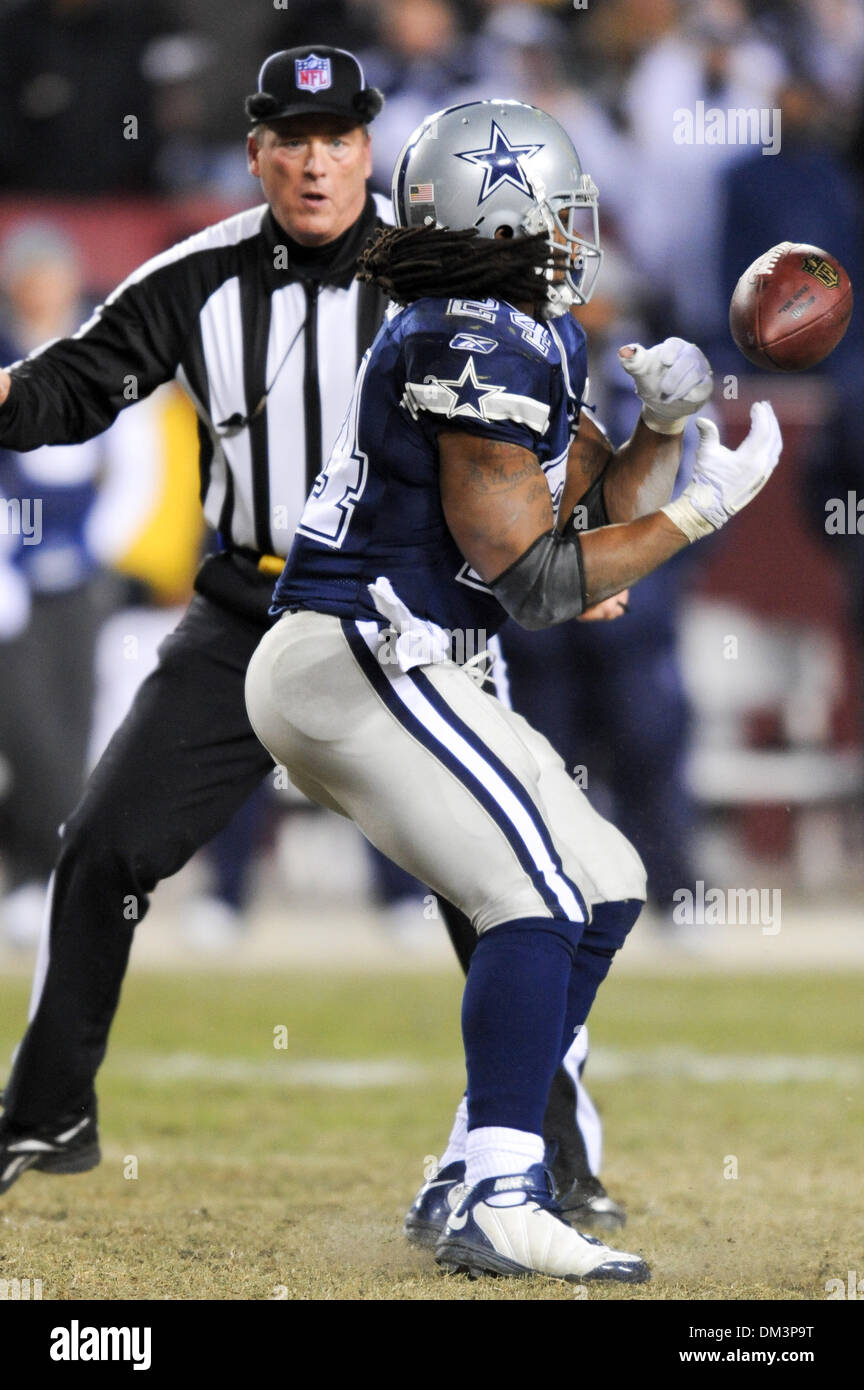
<point x="415" y="262"/>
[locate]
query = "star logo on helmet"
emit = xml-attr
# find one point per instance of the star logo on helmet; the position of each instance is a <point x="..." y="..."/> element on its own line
<point x="501" y="163"/>
<point x="466" y="395"/>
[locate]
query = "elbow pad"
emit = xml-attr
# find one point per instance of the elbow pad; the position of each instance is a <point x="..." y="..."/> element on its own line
<point x="546" y="585"/>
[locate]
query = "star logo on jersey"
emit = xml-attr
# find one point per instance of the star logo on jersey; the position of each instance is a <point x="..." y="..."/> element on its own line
<point x="501" y="163"/>
<point x="466" y="395"/>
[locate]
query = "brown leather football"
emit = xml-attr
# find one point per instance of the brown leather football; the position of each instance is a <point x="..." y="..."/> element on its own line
<point x="790" y="308"/>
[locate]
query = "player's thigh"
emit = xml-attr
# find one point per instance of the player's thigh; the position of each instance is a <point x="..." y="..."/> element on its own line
<point x="314" y="707"/>
<point x="593" y="851"/>
<point x="431" y="768"/>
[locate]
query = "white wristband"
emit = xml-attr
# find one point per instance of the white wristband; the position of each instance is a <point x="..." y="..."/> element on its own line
<point x="663" y="426"/>
<point x="687" y="519"/>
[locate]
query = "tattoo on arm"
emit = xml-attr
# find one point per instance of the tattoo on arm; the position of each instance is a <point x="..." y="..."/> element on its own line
<point x="496" y="499"/>
<point x="495" y="467"/>
<point x="591" y="458"/>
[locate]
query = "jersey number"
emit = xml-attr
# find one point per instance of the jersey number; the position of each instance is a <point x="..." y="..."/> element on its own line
<point x="339" y="486"/>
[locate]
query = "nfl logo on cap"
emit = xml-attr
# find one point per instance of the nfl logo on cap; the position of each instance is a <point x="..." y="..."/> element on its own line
<point x="300" y="81"/>
<point x="312" y="74"/>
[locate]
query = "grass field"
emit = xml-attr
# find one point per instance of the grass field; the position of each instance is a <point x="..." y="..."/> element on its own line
<point x="283" y="1172"/>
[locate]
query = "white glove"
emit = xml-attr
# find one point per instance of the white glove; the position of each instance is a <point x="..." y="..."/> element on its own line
<point x="725" y="480"/>
<point x="672" y="380"/>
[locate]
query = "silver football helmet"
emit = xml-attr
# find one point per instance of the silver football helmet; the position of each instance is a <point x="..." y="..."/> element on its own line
<point x="503" y="164"/>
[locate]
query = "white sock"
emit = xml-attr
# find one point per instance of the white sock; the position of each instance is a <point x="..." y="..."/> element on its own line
<point x="493" y="1151"/>
<point x="455" y="1150"/>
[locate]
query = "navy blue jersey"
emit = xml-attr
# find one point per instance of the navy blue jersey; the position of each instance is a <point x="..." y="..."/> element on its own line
<point x="375" y="511"/>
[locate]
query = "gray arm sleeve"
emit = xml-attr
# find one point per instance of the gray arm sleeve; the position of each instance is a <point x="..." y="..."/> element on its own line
<point x="546" y="585"/>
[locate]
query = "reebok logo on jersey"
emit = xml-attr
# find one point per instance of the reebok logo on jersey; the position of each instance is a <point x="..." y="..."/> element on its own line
<point x="470" y="342"/>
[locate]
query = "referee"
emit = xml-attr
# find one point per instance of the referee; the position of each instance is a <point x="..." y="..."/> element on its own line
<point x="261" y="320"/>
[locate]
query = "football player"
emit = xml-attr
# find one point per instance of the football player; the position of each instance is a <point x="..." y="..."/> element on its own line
<point x="447" y="504"/>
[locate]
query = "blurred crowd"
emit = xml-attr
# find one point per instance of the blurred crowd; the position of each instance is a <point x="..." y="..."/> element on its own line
<point x="103" y="98"/>
<point x="119" y="98"/>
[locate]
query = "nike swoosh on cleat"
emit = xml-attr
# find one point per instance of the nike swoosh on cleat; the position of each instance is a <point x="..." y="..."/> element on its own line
<point x="70" y="1133"/>
<point x="31" y="1146"/>
<point x="456" y="1223"/>
<point x="14" y="1168"/>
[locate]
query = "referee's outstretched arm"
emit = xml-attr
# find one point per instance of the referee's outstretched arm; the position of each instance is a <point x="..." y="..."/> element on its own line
<point x="74" y="388"/>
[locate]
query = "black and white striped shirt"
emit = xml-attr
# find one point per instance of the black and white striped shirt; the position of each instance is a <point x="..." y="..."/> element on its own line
<point x="266" y="347"/>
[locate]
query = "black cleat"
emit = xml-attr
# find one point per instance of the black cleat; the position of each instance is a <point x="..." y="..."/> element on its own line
<point x="587" y="1203"/>
<point x="71" y="1146"/>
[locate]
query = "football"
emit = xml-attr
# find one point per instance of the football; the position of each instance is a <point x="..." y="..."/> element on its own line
<point x="790" y="308"/>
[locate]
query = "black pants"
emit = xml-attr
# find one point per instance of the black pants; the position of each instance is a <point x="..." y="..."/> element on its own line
<point x="179" y="766"/>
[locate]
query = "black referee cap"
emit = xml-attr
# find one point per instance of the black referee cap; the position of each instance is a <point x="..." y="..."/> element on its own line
<point x="313" y="80"/>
